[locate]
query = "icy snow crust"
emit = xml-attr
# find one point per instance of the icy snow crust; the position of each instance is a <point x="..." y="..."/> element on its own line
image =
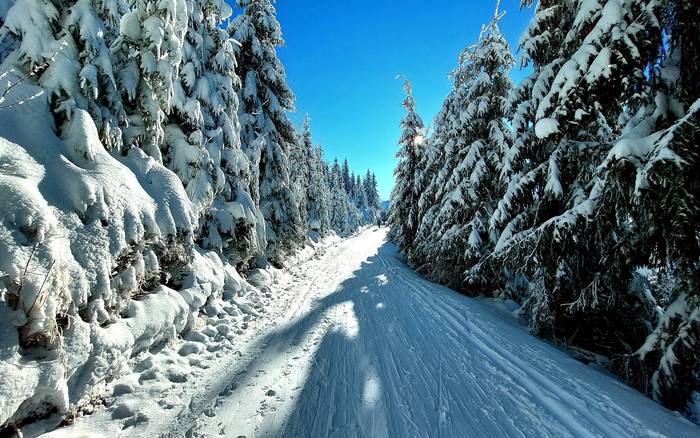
<point x="87" y="242"/>
<point x="355" y="344"/>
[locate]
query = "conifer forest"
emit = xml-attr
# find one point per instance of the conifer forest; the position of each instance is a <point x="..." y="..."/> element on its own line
<point x="180" y="256"/>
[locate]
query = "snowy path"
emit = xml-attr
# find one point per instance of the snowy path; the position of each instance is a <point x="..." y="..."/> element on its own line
<point x="367" y="348"/>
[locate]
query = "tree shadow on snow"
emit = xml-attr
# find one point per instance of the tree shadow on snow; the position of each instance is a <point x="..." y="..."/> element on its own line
<point x="345" y="392"/>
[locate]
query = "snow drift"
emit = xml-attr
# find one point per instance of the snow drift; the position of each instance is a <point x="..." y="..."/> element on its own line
<point x="92" y="248"/>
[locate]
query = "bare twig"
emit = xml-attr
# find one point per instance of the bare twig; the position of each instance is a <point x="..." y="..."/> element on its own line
<point x="32" y="72"/>
<point x="26" y="267"/>
<point x="39" y="294"/>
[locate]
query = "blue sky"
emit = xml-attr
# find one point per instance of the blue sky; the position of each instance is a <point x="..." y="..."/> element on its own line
<point x="342" y="59"/>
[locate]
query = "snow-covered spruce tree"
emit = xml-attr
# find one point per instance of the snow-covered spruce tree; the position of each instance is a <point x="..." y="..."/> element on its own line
<point x="362" y="202"/>
<point x="81" y="54"/>
<point x="430" y="180"/>
<point x="434" y="169"/>
<point x="589" y="62"/>
<point x="29" y="31"/>
<point x="460" y="234"/>
<point x="94" y="26"/>
<point x="340" y="211"/>
<point x="318" y="196"/>
<point x="402" y="219"/>
<point x="64" y="46"/>
<point x="199" y="95"/>
<point x="202" y="142"/>
<point x="660" y="177"/>
<point x="372" y="193"/>
<point x="328" y="192"/>
<point x="346" y="178"/>
<point x="147" y="59"/>
<point x="267" y="135"/>
<point x="142" y="48"/>
<point x="300" y="161"/>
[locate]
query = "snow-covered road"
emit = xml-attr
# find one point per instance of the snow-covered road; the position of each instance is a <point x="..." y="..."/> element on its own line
<point x="363" y="347"/>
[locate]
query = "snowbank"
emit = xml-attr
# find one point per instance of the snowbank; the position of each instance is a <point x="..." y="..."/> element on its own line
<point x="88" y="243"/>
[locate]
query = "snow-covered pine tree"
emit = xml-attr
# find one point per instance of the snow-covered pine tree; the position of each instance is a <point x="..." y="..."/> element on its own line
<point x="372" y="192"/>
<point x="65" y="47"/>
<point x="267" y="135"/>
<point x="460" y="232"/>
<point x="361" y="200"/>
<point x="429" y="185"/>
<point x="95" y="26"/>
<point x="435" y="169"/>
<point x="430" y="180"/>
<point x="187" y="149"/>
<point x="354" y="215"/>
<point x="202" y="139"/>
<point x="148" y="54"/>
<point x="660" y="182"/>
<point x="340" y="213"/>
<point x="328" y="190"/>
<point x="589" y="62"/>
<point x="29" y="31"/>
<point x="402" y="219"/>
<point x="376" y="197"/>
<point x="346" y="177"/>
<point x="299" y="161"/>
<point x="353" y="187"/>
<point x="186" y="60"/>
<point x="318" y="196"/>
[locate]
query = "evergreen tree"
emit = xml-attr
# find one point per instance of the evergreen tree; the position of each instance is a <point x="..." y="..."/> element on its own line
<point x="346" y="177"/>
<point x="430" y="180"/>
<point x="95" y="27"/>
<point x="318" y="194"/>
<point x="360" y="193"/>
<point x="204" y="142"/>
<point x="66" y="48"/>
<point x="339" y="201"/>
<point x="568" y="215"/>
<point x="267" y="135"/>
<point x="370" y="189"/>
<point x="660" y="187"/>
<point x="402" y="218"/>
<point x="149" y="54"/>
<point x="600" y="180"/>
<point x="460" y="234"/>
<point x="300" y="161"/>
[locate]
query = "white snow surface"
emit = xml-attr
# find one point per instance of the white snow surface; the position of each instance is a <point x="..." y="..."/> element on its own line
<point x="79" y="233"/>
<point x="355" y="344"/>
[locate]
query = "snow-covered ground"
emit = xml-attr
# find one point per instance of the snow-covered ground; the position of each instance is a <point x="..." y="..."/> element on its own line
<point x="356" y="344"/>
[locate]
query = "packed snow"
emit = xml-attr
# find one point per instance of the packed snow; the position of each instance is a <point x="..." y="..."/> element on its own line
<point x="356" y="344"/>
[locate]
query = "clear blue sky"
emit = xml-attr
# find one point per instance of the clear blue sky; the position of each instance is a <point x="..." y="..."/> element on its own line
<point x="342" y="58"/>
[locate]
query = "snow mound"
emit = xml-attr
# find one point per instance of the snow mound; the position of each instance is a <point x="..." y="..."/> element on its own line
<point x="85" y="253"/>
